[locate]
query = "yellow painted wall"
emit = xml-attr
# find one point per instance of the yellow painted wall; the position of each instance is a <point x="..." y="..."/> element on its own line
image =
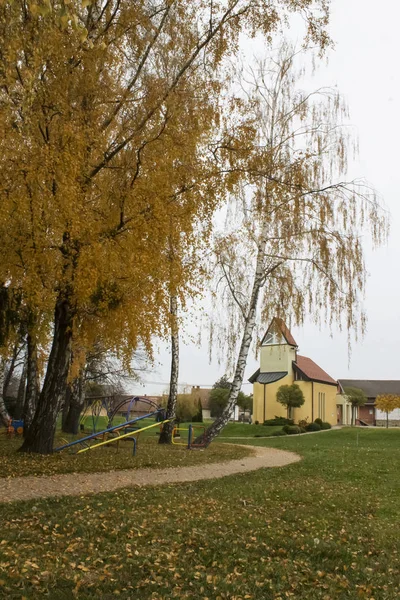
<point x="305" y="411"/>
<point x="330" y="402"/>
<point x="346" y="410"/>
<point x="277" y="358"/>
<point x="273" y="408"/>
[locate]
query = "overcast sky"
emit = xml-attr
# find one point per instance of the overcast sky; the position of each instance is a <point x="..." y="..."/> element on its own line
<point x="364" y="65"/>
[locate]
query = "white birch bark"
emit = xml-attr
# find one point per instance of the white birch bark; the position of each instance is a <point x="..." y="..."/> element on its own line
<point x="32" y="384"/>
<point x="166" y="434"/>
<point x="249" y="326"/>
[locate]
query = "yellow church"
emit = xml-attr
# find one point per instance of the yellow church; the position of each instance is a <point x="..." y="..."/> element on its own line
<point x="280" y="364"/>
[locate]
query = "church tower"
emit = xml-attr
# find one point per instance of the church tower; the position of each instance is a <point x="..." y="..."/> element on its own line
<point x="278" y="349"/>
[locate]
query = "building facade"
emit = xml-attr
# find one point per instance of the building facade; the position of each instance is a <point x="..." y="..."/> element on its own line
<point x="280" y="364"/>
<point x="369" y="414"/>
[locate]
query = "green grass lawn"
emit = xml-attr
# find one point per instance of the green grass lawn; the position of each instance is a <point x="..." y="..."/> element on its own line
<point x="231" y="430"/>
<point x="107" y="458"/>
<point x="326" y="528"/>
<point x="246" y="430"/>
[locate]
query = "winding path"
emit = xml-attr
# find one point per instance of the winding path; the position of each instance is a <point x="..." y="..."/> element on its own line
<point x="77" y="484"/>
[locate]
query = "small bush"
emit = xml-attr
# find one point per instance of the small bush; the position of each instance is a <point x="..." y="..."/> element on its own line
<point x="326" y="425"/>
<point x="302" y="429"/>
<point x="313" y="427"/>
<point x="291" y="429"/>
<point x="256" y="422"/>
<point x="278" y="421"/>
<point x="278" y="433"/>
<point x="318" y="421"/>
<point x="303" y="423"/>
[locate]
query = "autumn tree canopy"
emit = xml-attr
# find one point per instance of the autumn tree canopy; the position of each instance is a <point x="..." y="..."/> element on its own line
<point x="387" y="403"/>
<point x="107" y="107"/>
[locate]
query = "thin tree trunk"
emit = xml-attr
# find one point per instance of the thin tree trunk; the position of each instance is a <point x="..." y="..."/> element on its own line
<point x="22" y="390"/>
<point x="387" y="420"/>
<point x="40" y="435"/>
<point x="32" y="384"/>
<point x="65" y="408"/>
<point x="166" y="433"/>
<point x="250" y="321"/>
<point x="10" y="371"/>
<point x="4" y="416"/>
<point x="76" y="402"/>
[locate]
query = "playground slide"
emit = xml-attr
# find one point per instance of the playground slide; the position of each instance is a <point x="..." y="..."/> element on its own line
<point x="84" y="440"/>
<point x="121" y="437"/>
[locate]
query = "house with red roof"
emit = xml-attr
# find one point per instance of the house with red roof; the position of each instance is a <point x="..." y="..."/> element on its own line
<point x="280" y="364"/>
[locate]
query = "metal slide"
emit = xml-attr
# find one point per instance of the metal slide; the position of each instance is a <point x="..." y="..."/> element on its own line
<point x="121" y="437"/>
<point x="86" y="439"/>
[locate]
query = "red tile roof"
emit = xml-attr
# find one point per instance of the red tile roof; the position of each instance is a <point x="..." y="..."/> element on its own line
<point x="285" y="331"/>
<point x="312" y="371"/>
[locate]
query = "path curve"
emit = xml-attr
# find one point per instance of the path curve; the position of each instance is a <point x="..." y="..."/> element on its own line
<point x="77" y="484"/>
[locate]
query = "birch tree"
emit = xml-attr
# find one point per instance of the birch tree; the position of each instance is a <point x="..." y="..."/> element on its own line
<point x="5" y="418"/>
<point x="32" y="382"/>
<point x="166" y="433"/>
<point x="294" y="248"/>
<point x="190" y="269"/>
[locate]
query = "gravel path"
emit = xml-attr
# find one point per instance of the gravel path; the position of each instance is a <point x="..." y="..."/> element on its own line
<point x="76" y="484"/>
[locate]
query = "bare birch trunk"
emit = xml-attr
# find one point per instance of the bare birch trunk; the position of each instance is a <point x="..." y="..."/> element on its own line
<point x="4" y="416"/>
<point x="76" y="402"/>
<point x="40" y="435"/>
<point x="249" y="325"/>
<point x="166" y="434"/>
<point x="10" y="371"/>
<point x="21" y="390"/>
<point x="32" y="384"/>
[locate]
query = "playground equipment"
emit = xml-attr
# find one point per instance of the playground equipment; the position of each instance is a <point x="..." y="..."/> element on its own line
<point x="15" y="427"/>
<point x="189" y="442"/>
<point x="95" y="405"/>
<point x="109" y="430"/>
<point x="121" y="437"/>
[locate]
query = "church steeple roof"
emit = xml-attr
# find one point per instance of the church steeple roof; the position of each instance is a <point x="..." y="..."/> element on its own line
<point x="278" y="327"/>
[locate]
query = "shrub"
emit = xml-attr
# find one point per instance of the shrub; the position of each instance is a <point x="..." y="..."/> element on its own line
<point x="291" y="429"/>
<point x="302" y="429"/>
<point x="278" y="421"/>
<point x="278" y="433"/>
<point x="326" y="425"/>
<point x="187" y="407"/>
<point x="198" y="417"/>
<point x="318" y="421"/>
<point x="313" y="427"/>
<point x="303" y="423"/>
<point x="256" y="422"/>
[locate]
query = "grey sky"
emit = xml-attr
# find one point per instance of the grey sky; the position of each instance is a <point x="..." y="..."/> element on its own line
<point x="364" y="66"/>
